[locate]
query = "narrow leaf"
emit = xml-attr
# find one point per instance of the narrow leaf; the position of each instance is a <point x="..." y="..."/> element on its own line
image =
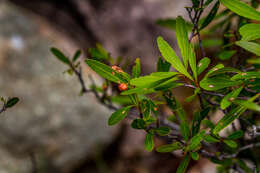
<point x="210" y="139"/>
<point x="226" y="54"/>
<point x="226" y="101"/>
<point x="11" y="102"/>
<point x="203" y="65"/>
<point x="210" y="16"/>
<point x="136" y="71"/>
<point x="184" y="164"/>
<point x="230" y="143"/>
<point x="236" y="135"/>
<point x="248" y="104"/>
<point x="119" y="115"/>
<point x="162" y="131"/>
<point x="195" y="140"/>
<point x="59" y="55"/>
<point x="76" y="55"/>
<point x="169" y="147"/>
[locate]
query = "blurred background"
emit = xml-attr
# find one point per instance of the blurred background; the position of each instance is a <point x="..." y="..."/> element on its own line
<point x="53" y="129"/>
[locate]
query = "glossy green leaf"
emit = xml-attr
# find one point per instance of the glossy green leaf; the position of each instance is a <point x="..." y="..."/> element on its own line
<point x="241" y="9"/>
<point x="203" y="65"/>
<point x="246" y="75"/>
<point x="230" y="143"/>
<point x="196" y="140"/>
<point x="149" y="143"/>
<point x="250" y="46"/>
<point x="76" y="55"/>
<point x="215" y="68"/>
<point x="216" y="83"/>
<point x="119" y="115"/>
<point x="184" y="164"/>
<point x="194" y="155"/>
<point x="210" y="16"/>
<point x="162" y="131"/>
<point x="138" y="124"/>
<point x="210" y="139"/>
<point x="236" y="135"/>
<point x="169" y="147"/>
<point x="170" y="56"/>
<point x="192" y="61"/>
<point x="59" y="55"/>
<point x="227" y="100"/>
<point x="11" y="102"/>
<point x="250" y="32"/>
<point x="224" y="70"/>
<point x="226" y="54"/>
<point x="248" y="104"/>
<point x="136" y="71"/>
<point x="104" y="70"/>
<point x="183" y="40"/>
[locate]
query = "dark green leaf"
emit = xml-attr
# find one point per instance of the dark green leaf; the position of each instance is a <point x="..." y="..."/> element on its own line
<point x="243" y="165"/>
<point x="76" y="55"/>
<point x="171" y="24"/>
<point x="248" y="104"/>
<point x="162" y="131"/>
<point x="236" y="135"/>
<point x="169" y="147"/>
<point x="208" y="123"/>
<point x="149" y="144"/>
<point x="11" y="102"/>
<point x="98" y="53"/>
<point x="138" y="124"/>
<point x="226" y="101"/>
<point x="194" y="155"/>
<point x="195" y="140"/>
<point x="230" y="143"/>
<point x="246" y="75"/>
<point x="226" y="54"/>
<point x="250" y="46"/>
<point x="119" y="115"/>
<point x="202" y="65"/>
<point x="184" y="164"/>
<point x="250" y="32"/>
<point x="163" y="66"/>
<point x="146" y="108"/>
<point x="136" y="69"/>
<point x="210" y="16"/>
<point x="224" y="70"/>
<point x="210" y="139"/>
<point x="198" y="117"/>
<point x="59" y="55"/>
<point x="185" y="130"/>
<point x="241" y="9"/>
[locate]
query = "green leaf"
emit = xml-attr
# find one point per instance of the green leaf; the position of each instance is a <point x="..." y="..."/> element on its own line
<point x="230" y="143"/>
<point x="243" y="165"/>
<point x="138" y="124"/>
<point x="217" y="67"/>
<point x="183" y="40"/>
<point x="196" y="140"/>
<point x="250" y="32"/>
<point x="145" y="108"/>
<point x="149" y="144"/>
<point x="138" y="90"/>
<point x="171" y="24"/>
<point x="169" y="84"/>
<point x="136" y="69"/>
<point x="170" y="56"/>
<point x="210" y="139"/>
<point x="224" y="70"/>
<point x="246" y="75"/>
<point x="192" y="61"/>
<point x="104" y="70"/>
<point x="11" y="102"/>
<point x="163" y="66"/>
<point x="194" y="155"/>
<point x="226" y="54"/>
<point x="59" y="55"/>
<point x="241" y="9"/>
<point x="248" y="104"/>
<point x="210" y="16"/>
<point x="250" y="46"/>
<point x="190" y="98"/>
<point x="184" y="164"/>
<point x="216" y="83"/>
<point x="226" y="101"/>
<point x="76" y="55"/>
<point x="185" y="130"/>
<point x="236" y="135"/>
<point x="169" y="147"/>
<point x="98" y="53"/>
<point x="203" y="65"/>
<point x="162" y="131"/>
<point x="119" y="115"/>
<point x="208" y="123"/>
<point x="198" y="117"/>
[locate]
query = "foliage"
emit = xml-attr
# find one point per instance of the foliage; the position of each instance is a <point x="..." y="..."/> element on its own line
<point x="230" y="86"/>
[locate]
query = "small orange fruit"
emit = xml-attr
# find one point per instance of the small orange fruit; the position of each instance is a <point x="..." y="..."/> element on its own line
<point x="122" y="86"/>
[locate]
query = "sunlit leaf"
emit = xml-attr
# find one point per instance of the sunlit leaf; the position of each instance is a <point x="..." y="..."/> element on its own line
<point x="250" y="32"/>
<point x="203" y="65"/>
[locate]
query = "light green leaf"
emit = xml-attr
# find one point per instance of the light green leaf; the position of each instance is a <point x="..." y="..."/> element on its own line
<point x="183" y="40"/>
<point x="194" y="155"/>
<point x="138" y="90"/>
<point x="217" y="67"/>
<point x="59" y="55"/>
<point x="184" y="164"/>
<point x="216" y="83"/>
<point x="119" y="115"/>
<point x="224" y="70"/>
<point x="170" y="56"/>
<point x="195" y="140"/>
<point x="246" y="75"/>
<point x="250" y="32"/>
<point x="248" y="104"/>
<point x="236" y="135"/>
<point x="241" y="9"/>
<point x="226" y="101"/>
<point x="226" y="54"/>
<point x="210" y="139"/>
<point x="231" y="143"/>
<point x="169" y="84"/>
<point x="203" y="65"/>
<point x="250" y="46"/>
<point x="192" y="62"/>
<point x="136" y="71"/>
<point x="169" y="147"/>
<point x="149" y="144"/>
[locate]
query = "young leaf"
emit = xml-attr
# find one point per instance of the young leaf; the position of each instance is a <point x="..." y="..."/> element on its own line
<point x="170" y="56"/>
<point x="163" y="66"/>
<point x="194" y="155"/>
<point x="226" y="54"/>
<point x="226" y="101"/>
<point x="248" y="104"/>
<point x="59" y="55"/>
<point x="203" y="65"/>
<point x="231" y="143"/>
<point x="250" y="32"/>
<point x="11" y="102"/>
<point x="183" y="40"/>
<point x="76" y="55"/>
<point x="119" y="115"/>
<point x="195" y="140"/>
<point x="241" y="9"/>
<point x="162" y="131"/>
<point x="138" y="124"/>
<point x="169" y="147"/>
<point x="250" y="46"/>
<point x="216" y="83"/>
<point x="236" y="135"/>
<point x="210" y="139"/>
<point x="210" y="16"/>
<point x="136" y="69"/>
<point x="149" y="144"/>
<point x="184" y="164"/>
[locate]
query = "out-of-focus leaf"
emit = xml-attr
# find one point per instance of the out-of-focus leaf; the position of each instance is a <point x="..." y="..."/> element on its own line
<point x="185" y="130"/>
<point x="171" y="24"/>
<point x="226" y="101"/>
<point x="138" y="124"/>
<point x="170" y="56"/>
<point x="226" y="54"/>
<point x="119" y="115"/>
<point x="208" y="123"/>
<point x="169" y="147"/>
<point x="162" y="131"/>
<point x="195" y="140"/>
<point x="250" y="46"/>
<point x="198" y="117"/>
<point x="98" y="53"/>
<point x="254" y="61"/>
<point x="149" y="144"/>
<point x="210" y="16"/>
<point x="224" y="70"/>
<point x="145" y="108"/>
<point x="136" y="71"/>
<point x="138" y="90"/>
<point x="184" y="164"/>
<point x="190" y="98"/>
<point x="194" y="155"/>
<point x="243" y="165"/>
<point x="76" y="55"/>
<point x="59" y="55"/>
<point x="207" y="2"/>
<point x="241" y="9"/>
<point x="250" y="32"/>
<point x="210" y="139"/>
<point x="203" y="65"/>
<point x="236" y="135"/>
<point x="246" y="75"/>
<point x="11" y="102"/>
<point x="121" y="99"/>
<point x="163" y="66"/>
<point x="248" y="104"/>
<point x="231" y="143"/>
<point x="216" y="83"/>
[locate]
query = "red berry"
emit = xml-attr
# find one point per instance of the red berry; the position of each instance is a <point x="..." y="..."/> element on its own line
<point x="122" y="86"/>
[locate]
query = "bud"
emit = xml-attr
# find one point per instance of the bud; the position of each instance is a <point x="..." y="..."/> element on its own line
<point x="122" y="86"/>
